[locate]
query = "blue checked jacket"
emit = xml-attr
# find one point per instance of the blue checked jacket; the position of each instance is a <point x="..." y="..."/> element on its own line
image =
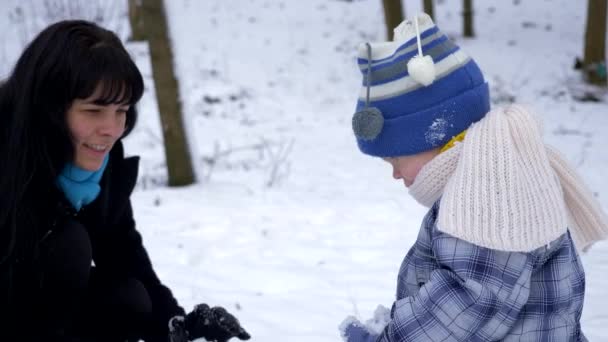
<point x="450" y="290"/>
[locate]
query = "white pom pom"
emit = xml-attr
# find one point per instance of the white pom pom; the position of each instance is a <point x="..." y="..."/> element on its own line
<point x="422" y="69"/>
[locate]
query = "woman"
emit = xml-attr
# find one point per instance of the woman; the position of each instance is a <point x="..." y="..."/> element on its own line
<point x="65" y="201"/>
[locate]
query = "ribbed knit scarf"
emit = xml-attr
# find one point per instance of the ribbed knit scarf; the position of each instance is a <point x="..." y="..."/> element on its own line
<point x="503" y="188"/>
<point x="80" y="186"/>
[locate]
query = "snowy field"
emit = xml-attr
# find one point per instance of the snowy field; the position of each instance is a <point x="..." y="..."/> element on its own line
<point x="290" y="227"/>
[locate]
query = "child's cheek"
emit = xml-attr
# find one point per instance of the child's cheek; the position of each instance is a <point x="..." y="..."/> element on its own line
<point x="413" y="170"/>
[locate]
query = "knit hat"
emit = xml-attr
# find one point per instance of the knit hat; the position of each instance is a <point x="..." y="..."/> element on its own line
<point x="410" y="103"/>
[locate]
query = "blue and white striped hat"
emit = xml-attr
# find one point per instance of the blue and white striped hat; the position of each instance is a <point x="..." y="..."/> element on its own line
<point x="404" y="111"/>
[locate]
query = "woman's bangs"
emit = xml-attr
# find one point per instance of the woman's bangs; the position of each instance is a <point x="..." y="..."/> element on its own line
<point x="117" y="76"/>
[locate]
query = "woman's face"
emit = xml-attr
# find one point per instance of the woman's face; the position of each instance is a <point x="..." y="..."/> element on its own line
<point x="94" y="129"/>
<point x="407" y="167"/>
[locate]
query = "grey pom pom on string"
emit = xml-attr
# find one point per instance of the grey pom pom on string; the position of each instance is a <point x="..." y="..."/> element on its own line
<point x="368" y="123"/>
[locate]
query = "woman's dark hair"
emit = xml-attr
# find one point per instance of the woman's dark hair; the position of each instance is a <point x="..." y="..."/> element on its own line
<point x="66" y="61"/>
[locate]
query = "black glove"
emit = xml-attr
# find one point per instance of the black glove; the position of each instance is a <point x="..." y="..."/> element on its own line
<point x="214" y="324"/>
<point x="177" y="330"/>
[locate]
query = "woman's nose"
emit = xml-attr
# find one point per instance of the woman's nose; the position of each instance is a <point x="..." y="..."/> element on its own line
<point x="112" y="126"/>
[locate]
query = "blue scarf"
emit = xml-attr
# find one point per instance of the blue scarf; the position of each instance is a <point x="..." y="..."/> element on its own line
<point x="80" y="187"/>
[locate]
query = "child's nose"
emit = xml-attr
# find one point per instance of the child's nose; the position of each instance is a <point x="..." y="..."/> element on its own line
<point x="396" y="173"/>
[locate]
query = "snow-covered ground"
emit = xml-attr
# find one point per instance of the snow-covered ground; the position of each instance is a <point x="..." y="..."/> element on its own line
<point x="290" y="227"/>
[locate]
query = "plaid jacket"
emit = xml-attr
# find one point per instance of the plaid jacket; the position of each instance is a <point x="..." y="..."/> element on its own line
<point x="450" y="290"/>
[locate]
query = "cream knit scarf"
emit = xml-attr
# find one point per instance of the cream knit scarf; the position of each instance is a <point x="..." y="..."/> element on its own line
<point x="503" y="188"/>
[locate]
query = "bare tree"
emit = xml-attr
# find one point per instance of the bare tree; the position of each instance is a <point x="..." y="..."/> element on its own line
<point x="429" y="8"/>
<point x="393" y="15"/>
<point x="137" y="20"/>
<point x="594" y="60"/>
<point x="467" y="18"/>
<point x="177" y="152"/>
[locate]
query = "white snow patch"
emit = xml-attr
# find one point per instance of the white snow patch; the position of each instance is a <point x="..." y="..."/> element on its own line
<point x="437" y="131"/>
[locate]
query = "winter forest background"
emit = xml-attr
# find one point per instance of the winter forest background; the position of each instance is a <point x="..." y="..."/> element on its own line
<point x="288" y="225"/>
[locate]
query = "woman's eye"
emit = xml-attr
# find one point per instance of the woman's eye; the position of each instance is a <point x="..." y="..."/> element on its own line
<point x="92" y="110"/>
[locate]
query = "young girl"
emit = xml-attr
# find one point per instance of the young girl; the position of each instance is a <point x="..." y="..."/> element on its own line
<point x="495" y="259"/>
<point x="65" y="204"/>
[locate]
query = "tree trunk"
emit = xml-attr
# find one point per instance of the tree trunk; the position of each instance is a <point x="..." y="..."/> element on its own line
<point x="429" y="8"/>
<point x="179" y="164"/>
<point x="467" y="18"/>
<point x="594" y="61"/>
<point x="393" y="15"/>
<point x="137" y="21"/>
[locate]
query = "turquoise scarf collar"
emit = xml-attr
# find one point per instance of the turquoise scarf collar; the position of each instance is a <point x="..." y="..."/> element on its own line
<point x="80" y="187"/>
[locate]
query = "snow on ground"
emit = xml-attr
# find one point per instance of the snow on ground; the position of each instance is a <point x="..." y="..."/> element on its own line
<point x="291" y="227"/>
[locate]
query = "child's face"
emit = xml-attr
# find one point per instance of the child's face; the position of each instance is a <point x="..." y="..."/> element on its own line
<point x="94" y="129"/>
<point x="407" y="167"/>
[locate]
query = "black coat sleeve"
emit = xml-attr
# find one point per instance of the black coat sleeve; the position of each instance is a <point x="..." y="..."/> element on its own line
<point x="117" y="245"/>
<point x="126" y="255"/>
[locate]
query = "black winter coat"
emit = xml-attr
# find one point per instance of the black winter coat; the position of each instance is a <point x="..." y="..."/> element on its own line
<point x="116" y="245"/>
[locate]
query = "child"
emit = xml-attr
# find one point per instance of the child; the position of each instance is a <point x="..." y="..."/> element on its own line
<point x="65" y="203"/>
<point x="495" y="259"/>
